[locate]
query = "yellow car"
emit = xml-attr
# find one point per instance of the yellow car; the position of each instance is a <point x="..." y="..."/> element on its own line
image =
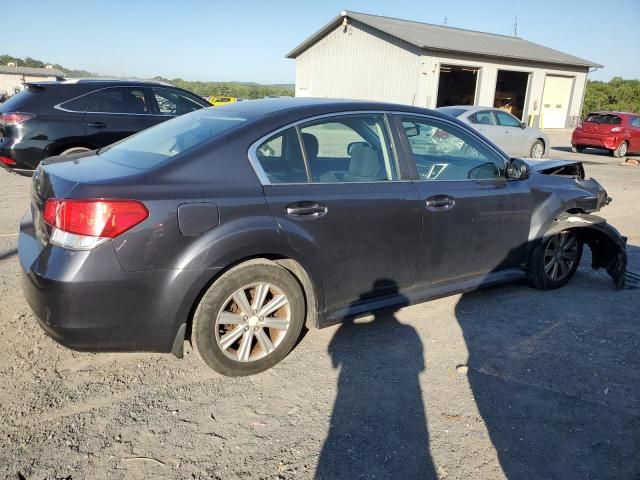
<point x="217" y="101"/>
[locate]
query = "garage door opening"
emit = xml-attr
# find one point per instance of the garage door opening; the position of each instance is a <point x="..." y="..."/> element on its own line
<point x="511" y="92"/>
<point x="457" y="85"/>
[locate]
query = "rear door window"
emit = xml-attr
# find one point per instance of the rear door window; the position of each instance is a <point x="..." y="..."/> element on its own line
<point x="129" y="100"/>
<point x="483" y="118"/>
<point x="349" y="148"/>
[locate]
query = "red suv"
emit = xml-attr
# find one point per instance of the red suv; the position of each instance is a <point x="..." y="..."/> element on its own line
<point x="618" y="132"/>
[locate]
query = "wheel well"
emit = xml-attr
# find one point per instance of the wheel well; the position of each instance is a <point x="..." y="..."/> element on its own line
<point x="61" y="148"/>
<point x="292" y="266"/>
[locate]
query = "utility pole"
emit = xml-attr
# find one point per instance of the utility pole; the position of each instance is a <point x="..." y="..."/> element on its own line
<point x="445" y="22"/>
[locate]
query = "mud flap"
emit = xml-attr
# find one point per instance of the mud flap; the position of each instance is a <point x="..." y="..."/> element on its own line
<point x="608" y="247"/>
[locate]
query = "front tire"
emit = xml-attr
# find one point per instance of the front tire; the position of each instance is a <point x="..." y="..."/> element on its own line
<point x="555" y="261"/>
<point x="621" y="151"/>
<point x="537" y="149"/>
<point x="249" y="319"/>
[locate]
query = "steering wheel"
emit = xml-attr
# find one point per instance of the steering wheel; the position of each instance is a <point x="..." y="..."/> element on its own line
<point x="484" y="171"/>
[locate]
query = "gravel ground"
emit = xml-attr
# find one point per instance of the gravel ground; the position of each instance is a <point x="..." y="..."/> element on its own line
<point x="503" y="383"/>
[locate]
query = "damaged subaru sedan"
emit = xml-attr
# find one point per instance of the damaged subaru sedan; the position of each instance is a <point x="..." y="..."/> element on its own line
<point x="234" y="227"/>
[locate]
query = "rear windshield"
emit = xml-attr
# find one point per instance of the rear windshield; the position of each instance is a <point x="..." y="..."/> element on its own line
<point x="603" y="118"/>
<point x="17" y="102"/>
<point x="454" y="112"/>
<point x="155" y="145"/>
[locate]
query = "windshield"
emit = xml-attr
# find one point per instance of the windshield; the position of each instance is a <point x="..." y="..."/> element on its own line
<point x="155" y="145"/>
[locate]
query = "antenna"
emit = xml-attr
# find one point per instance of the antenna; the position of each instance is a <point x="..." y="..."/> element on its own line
<point x="515" y="27"/>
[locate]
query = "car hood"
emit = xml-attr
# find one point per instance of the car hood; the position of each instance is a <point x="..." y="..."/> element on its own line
<point x="569" y="168"/>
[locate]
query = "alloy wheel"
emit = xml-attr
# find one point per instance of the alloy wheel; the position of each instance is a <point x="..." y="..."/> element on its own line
<point x="560" y="255"/>
<point x="253" y="322"/>
<point x="622" y="149"/>
<point x="537" y="151"/>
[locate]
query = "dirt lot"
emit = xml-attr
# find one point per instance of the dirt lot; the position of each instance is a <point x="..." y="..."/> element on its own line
<point x="503" y="383"/>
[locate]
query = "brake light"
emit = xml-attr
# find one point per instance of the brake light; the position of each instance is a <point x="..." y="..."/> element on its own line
<point x="617" y="129"/>
<point x="7" y="161"/>
<point x="579" y="126"/>
<point x="85" y="224"/>
<point x="15" y="118"/>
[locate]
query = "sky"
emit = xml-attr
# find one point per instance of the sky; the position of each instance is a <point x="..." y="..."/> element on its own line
<point x="247" y="40"/>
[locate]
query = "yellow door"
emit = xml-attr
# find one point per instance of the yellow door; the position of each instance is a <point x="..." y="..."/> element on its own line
<point x="555" y="101"/>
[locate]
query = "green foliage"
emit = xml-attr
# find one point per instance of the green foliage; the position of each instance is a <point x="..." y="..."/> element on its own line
<point x="616" y="95"/>
<point x="244" y="90"/>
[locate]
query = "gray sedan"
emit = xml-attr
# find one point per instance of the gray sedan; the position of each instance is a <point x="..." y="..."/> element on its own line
<point x="503" y="129"/>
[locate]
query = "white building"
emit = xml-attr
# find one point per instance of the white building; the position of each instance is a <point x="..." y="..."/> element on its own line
<point x="379" y="58"/>
<point x="12" y="78"/>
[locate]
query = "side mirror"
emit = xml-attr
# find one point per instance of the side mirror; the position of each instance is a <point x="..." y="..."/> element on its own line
<point x="523" y="125"/>
<point x="518" y="169"/>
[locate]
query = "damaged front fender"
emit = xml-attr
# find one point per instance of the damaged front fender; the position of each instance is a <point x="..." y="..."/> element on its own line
<point x="608" y="247"/>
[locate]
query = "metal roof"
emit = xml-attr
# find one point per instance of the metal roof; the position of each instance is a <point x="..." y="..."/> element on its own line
<point x="449" y="39"/>
<point x="35" y="72"/>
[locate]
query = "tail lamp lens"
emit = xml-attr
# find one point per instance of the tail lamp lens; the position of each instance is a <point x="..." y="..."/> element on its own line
<point x="15" y="118"/>
<point x="617" y="129"/>
<point x="95" y="218"/>
<point x="7" y="161"/>
<point x="579" y="126"/>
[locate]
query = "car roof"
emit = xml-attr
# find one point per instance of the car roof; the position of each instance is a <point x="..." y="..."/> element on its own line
<point x="316" y="106"/>
<point x="99" y="82"/>
<point x="470" y="108"/>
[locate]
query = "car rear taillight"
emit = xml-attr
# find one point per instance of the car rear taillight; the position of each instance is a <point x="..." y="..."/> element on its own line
<point x="85" y="224"/>
<point x="7" y="161"/>
<point x="617" y="129"/>
<point x="15" y="118"/>
<point x="579" y="126"/>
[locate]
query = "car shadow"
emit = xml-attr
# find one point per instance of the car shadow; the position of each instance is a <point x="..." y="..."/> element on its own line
<point x="8" y="255"/>
<point x="590" y="151"/>
<point x="555" y="375"/>
<point x="378" y="426"/>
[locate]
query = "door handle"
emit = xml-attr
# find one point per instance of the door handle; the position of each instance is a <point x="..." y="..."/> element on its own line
<point x="440" y="202"/>
<point x="97" y="125"/>
<point x="307" y="209"/>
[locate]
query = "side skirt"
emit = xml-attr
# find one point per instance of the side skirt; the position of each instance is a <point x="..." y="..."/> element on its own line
<point x="415" y="295"/>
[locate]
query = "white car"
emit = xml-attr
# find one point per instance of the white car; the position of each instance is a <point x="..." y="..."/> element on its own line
<point x="506" y="131"/>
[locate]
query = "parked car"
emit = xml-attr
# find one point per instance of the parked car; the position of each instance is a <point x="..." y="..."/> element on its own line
<point x="217" y="101"/>
<point x="503" y="129"/>
<point x="618" y="132"/>
<point x="235" y="227"/>
<point x="57" y="118"/>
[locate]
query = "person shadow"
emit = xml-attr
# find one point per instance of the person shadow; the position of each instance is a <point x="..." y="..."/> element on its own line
<point x="378" y="426"/>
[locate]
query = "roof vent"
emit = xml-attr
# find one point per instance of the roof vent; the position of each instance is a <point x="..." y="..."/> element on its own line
<point x="11" y="64"/>
<point x="50" y="67"/>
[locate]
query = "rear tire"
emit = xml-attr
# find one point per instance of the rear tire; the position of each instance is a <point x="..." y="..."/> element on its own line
<point x="577" y="148"/>
<point x="555" y="261"/>
<point x="621" y="151"/>
<point x="74" y="150"/>
<point x="236" y="332"/>
<point x="537" y="149"/>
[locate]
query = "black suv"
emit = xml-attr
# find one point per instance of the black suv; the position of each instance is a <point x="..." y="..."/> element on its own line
<point x="57" y="118"/>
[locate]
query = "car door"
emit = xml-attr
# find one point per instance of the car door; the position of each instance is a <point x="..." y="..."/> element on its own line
<point x="117" y="112"/>
<point x="340" y="201"/>
<point x="484" y="121"/>
<point x="634" y="134"/>
<point x="515" y="138"/>
<point x="474" y="220"/>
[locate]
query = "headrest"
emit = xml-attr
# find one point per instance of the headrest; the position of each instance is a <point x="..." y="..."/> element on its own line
<point x="310" y="144"/>
<point x="364" y="162"/>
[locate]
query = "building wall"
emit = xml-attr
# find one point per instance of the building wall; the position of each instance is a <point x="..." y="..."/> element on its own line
<point x="9" y="82"/>
<point x="361" y="62"/>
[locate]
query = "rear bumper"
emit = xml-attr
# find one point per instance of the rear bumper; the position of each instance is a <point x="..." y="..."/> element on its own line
<point x="608" y="142"/>
<point x="85" y="300"/>
<point x="27" y="155"/>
